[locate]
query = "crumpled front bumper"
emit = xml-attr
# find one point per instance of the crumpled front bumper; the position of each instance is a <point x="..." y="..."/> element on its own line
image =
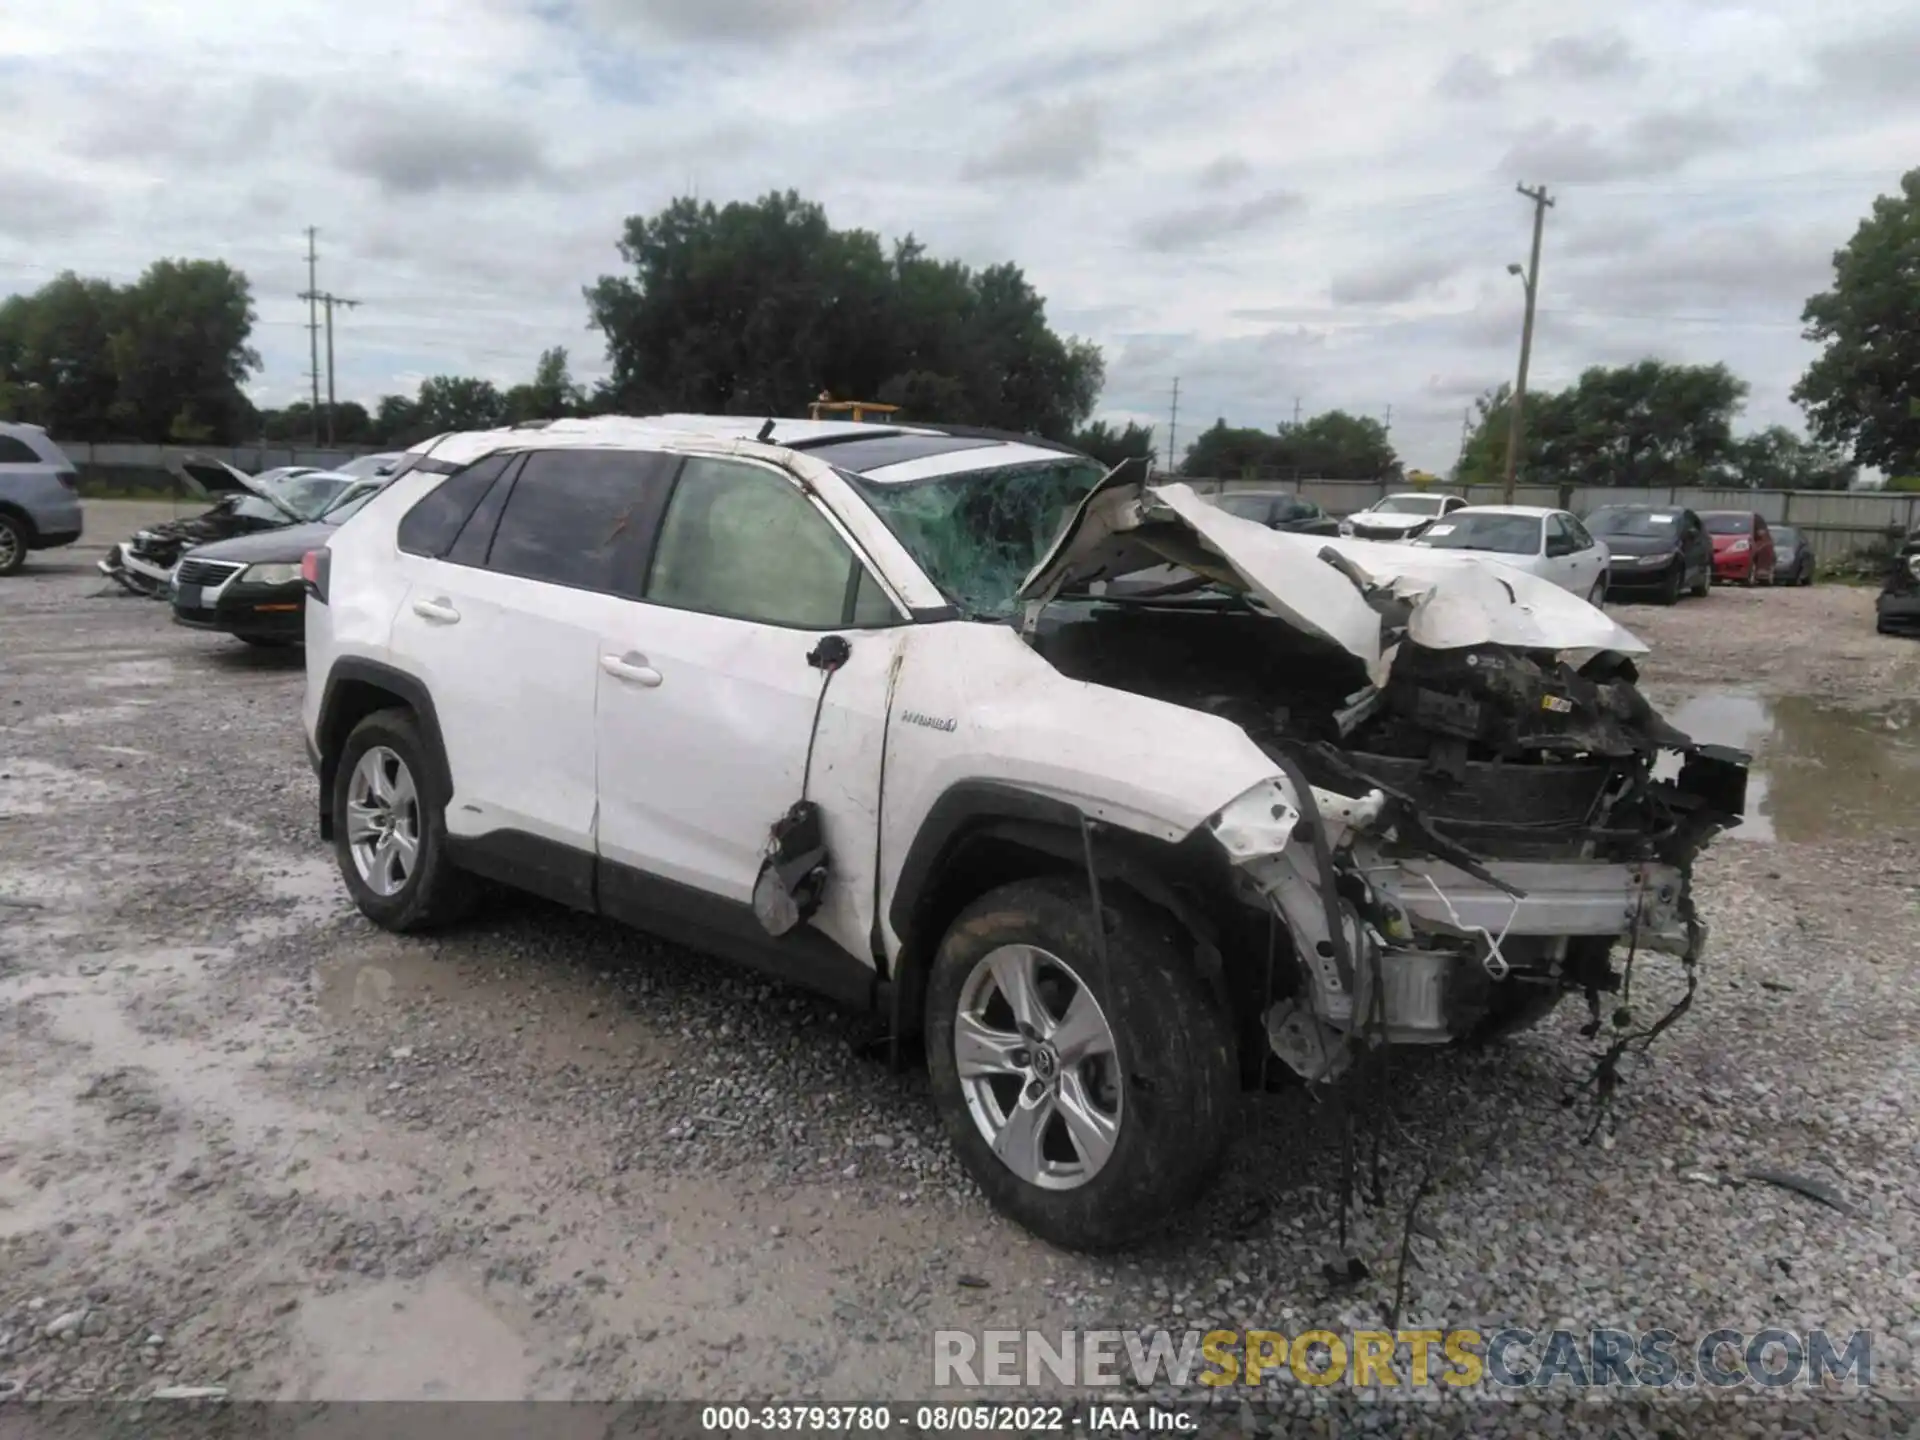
<point x="1418" y="927"/>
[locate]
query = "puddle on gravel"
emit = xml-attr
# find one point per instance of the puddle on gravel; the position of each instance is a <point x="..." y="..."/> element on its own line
<point x="434" y="1339"/>
<point x="33" y="787"/>
<point x="1819" y="769"/>
<point x="347" y="985"/>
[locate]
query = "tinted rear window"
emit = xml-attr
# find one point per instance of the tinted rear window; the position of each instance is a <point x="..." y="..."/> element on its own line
<point x="1727" y="522"/>
<point x="430" y="526"/>
<point x="17" y="452"/>
<point x="583" y="518"/>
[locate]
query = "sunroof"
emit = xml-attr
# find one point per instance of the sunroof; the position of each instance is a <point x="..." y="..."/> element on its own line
<point x="868" y="453"/>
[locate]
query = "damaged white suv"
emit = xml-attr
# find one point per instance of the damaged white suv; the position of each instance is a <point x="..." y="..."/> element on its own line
<point x="877" y="709"/>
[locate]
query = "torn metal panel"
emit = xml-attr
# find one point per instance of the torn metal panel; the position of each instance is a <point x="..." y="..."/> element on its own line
<point x="1360" y="595"/>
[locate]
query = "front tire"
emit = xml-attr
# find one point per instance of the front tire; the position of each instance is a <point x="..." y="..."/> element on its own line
<point x="1090" y="1107"/>
<point x="389" y="828"/>
<point x="1670" y="590"/>
<point x="13" y="545"/>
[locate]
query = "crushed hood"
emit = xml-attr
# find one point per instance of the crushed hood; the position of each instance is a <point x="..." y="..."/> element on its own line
<point x="210" y="478"/>
<point x="1363" y="596"/>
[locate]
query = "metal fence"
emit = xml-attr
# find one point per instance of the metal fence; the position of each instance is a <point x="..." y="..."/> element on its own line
<point x="1841" y="524"/>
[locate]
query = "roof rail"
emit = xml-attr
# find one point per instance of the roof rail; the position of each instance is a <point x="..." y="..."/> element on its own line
<point x="530" y="424"/>
<point x="815" y="442"/>
<point x="983" y="432"/>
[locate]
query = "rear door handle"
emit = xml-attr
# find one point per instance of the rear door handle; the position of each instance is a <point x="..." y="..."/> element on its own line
<point x="439" y="611"/>
<point x="631" y="667"/>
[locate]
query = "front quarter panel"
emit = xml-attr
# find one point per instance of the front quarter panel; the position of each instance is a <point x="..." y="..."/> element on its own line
<point x="973" y="702"/>
<point x="364" y="590"/>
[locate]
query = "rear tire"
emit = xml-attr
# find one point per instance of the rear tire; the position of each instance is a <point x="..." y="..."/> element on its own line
<point x="397" y="890"/>
<point x="13" y="545"/>
<point x="1164" y="1092"/>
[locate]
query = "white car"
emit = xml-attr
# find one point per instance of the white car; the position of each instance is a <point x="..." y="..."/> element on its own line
<point x="847" y="702"/>
<point x="1549" y="543"/>
<point x="1398" y="517"/>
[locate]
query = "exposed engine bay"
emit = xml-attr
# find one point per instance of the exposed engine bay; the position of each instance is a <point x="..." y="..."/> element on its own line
<point x="1470" y="830"/>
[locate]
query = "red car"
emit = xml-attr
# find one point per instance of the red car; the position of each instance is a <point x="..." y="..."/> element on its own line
<point x="1742" y="546"/>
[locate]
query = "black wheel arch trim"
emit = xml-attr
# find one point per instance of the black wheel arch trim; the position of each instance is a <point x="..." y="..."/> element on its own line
<point x="972" y="810"/>
<point x="331" y="732"/>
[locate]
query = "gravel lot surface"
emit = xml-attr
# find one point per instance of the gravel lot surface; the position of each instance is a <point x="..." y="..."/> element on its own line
<point x="248" y="1141"/>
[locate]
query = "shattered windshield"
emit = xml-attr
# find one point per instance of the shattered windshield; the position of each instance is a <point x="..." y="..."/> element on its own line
<point x="979" y="533"/>
<point x="1502" y="534"/>
<point x="1644" y="524"/>
<point x="309" y="495"/>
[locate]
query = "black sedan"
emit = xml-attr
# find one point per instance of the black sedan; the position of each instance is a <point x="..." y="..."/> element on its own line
<point x="1792" y="556"/>
<point x="1658" y="549"/>
<point x="1279" y="512"/>
<point x="1897" y="610"/>
<point x="250" y="586"/>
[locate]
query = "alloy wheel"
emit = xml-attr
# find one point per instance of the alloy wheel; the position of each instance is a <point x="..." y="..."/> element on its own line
<point x="1038" y="1066"/>
<point x="10" y="548"/>
<point x="383" y="821"/>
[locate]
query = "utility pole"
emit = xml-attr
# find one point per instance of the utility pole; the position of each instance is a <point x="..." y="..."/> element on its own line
<point x="1466" y="429"/>
<point x="1530" y="277"/>
<point x="331" y="300"/>
<point x="1389" y="419"/>
<point x="312" y="296"/>
<point x="1296" y="410"/>
<point x="1173" y="427"/>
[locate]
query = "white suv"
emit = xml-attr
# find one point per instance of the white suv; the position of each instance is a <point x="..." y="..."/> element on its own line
<point x="855" y="704"/>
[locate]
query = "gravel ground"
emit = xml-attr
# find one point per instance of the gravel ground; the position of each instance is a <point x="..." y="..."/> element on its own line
<point x="251" y="1142"/>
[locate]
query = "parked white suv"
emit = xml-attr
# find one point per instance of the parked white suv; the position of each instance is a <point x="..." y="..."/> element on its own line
<point x="851" y="703"/>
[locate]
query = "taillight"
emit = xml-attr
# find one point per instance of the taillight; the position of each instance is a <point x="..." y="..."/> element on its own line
<point x="313" y="573"/>
<point x="65" y="477"/>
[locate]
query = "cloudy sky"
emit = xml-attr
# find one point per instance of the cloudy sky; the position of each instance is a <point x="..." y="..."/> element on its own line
<point x="1269" y="201"/>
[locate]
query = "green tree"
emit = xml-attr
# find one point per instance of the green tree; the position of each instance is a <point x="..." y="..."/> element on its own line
<point x="1778" y="459"/>
<point x="457" y="402"/>
<point x="180" y="353"/>
<point x="1864" y="389"/>
<point x="1228" y="452"/>
<point x="56" y="357"/>
<point x="396" y="421"/>
<point x="551" y="395"/>
<point x="758" y="308"/>
<point x="1650" y="423"/>
<point x="1111" y="446"/>
<point x="1337" y="446"/>
<point x="1331" y="446"/>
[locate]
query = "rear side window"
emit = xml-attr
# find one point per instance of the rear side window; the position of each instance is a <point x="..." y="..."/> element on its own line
<point x="430" y="526"/>
<point x="743" y="542"/>
<point x="582" y="518"/>
<point x="15" y="451"/>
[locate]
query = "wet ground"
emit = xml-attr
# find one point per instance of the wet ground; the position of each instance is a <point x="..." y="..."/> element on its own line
<point x="247" y="1140"/>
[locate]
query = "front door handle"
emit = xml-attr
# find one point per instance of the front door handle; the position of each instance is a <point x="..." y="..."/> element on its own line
<point x="441" y="612"/>
<point x="631" y="667"/>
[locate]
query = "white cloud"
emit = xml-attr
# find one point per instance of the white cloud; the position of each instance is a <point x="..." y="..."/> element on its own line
<point x="1317" y="202"/>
